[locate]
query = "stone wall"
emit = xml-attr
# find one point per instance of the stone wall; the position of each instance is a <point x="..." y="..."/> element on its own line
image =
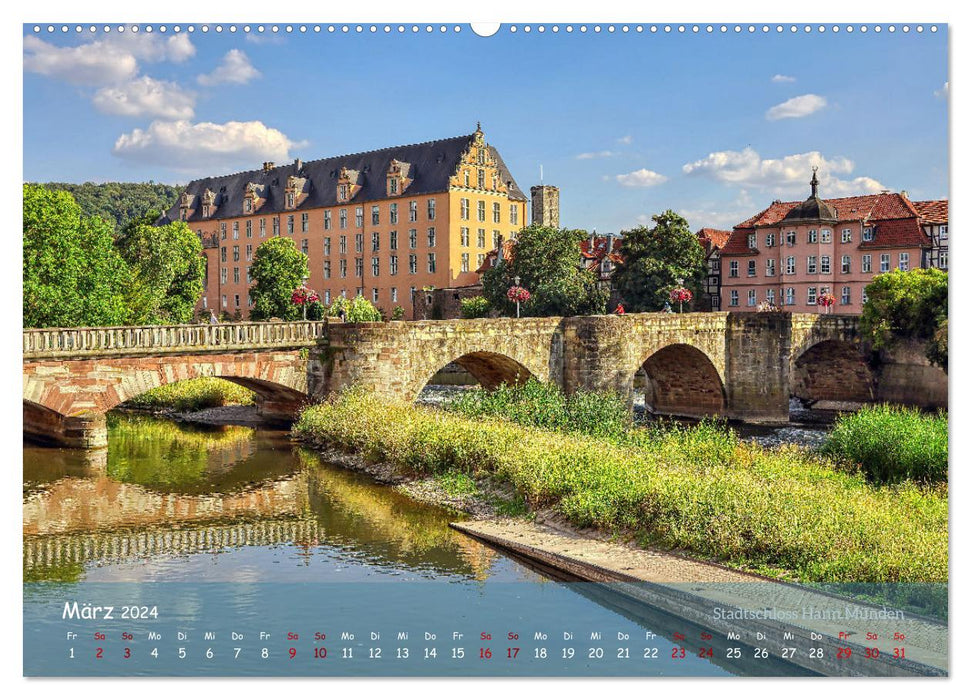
<point x="444" y="303"/>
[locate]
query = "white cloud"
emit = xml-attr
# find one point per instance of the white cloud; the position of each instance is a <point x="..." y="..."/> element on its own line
<point x="626" y="140"/>
<point x="146" y="97"/>
<point x="641" y="178"/>
<point x="784" y="176"/>
<point x="801" y="106"/>
<point x="95" y="63"/>
<point x="595" y="154"/>
<point x="944" y="91"/>
<point x="106" y="61"/>
<point x="779" y="78"/>
<point x="205" y="146"/>
<point x="235" y="68"/>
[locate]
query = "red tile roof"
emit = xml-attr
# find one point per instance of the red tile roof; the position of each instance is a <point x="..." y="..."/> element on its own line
<point x="713" y="238"/>
<point x="876" y="209"/>
<point x="933" y="211"/>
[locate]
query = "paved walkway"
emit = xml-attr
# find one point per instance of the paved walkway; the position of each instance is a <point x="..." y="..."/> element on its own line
<point x="765" y="613"/>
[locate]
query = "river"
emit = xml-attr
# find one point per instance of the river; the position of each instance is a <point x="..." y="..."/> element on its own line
<point x="172" y="508"/>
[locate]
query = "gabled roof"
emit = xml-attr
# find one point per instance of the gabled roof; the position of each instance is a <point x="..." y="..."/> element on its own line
<point x="431" y="163"/>
<point x="932" y="211"/>
<point x="876" y="209"/>
<point x="712" y="238"/>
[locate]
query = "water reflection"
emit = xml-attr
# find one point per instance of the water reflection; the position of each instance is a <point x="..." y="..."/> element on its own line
<point x="170" y="502"/>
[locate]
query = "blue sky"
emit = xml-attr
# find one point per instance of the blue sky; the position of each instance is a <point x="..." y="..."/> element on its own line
<point x="714" y="126"/>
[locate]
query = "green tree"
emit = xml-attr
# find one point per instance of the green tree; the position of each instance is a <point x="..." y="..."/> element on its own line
<point x="73" y="276"/>
<point x="119" y="202"/>
<point x="356" y="310"/>
<point x="167" y="270"/>
<point x="548" y="264"/>
<point x="278" y="268"/>
<point x="474" y="307"/>
<point x="654" y="259"/>
<point x="908" y="305"/>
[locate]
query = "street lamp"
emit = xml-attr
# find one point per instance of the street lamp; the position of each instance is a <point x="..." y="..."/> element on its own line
<point x="516" y="282"/>
<point x="303" y="283"/>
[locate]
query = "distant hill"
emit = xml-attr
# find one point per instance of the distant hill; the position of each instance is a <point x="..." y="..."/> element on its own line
<point x="119" y="202"/>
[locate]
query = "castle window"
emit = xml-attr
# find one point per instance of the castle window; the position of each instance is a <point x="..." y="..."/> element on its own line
<point x="733" y="297"/>
<point x="393" y="208"/>
<point x="825" y="236"/>
<point x="790" y="238"/>
<point x="375" y="215"/>
<point x="413" y="238"/>
<point x="413" y="211"/>
<point x="342" y="192"/>
<point x="867" y="234"/>
<point x="464" y="209"/>
<point x="481" y="179"/>
<point x="393" y="185"/>
<point x="812" y="235"/>
<point x="496" y="213"/>
<point x="480" y="210"/>
<point x="327" y="220"/>
<point x="790" y="296"/>
<point x="431" y="236"/>
<point x="513" y="215"/>
<point x="751" y="268"/>
<point x="847" y="236"/>
<point x="248" y="205"/>
<point x="393" y="262"/>
<point x="290" y="200"/>
<point x="811" y="296"/>
<point x="751" y="240"/>
<point x="431" y="209"/>
<point x="845" y="296"/>
<point x="343" y="218"/>
<point x="824" y="265"/>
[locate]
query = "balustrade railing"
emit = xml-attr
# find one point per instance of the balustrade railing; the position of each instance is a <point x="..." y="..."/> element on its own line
<point x="54" y="342"/>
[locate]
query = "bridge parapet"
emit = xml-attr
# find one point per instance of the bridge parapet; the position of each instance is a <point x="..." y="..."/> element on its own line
<point x="57" y="343"/>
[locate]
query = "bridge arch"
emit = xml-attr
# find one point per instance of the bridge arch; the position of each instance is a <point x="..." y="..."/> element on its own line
<point x="680" y="379"/>
<point x="490" y="369"/>
<point x="832" y="370"/>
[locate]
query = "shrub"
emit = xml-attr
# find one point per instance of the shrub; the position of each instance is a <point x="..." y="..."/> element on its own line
<point x="194" y="395"/>
<point x="892" y="443"/>
<point x="474" y="307"/>
<point x="785" y="512"/>
<point x="356" y="310"/>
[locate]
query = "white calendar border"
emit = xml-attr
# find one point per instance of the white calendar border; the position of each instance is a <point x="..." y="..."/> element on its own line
<point x="603" y="11"/>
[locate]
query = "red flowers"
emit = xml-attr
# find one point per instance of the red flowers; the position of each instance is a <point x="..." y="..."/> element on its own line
<point x="303" y="295"/>
<point x="519" y="294"/>
<point x="826" y="300"/>
<point x="680" y="295"/>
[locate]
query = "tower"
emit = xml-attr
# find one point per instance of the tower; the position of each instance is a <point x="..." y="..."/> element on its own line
<point x="546" y="205"/>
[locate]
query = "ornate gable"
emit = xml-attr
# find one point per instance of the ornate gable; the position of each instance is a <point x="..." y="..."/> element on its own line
<point x="295" y="193"/>
<point x="478" y="168"/>
<point x="253" y="198"/>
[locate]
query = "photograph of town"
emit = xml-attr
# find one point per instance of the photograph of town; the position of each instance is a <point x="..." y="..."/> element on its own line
<point x="612" y="350"/>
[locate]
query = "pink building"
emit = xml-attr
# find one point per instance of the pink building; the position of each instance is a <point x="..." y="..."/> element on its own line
<point x="792" y="253"/>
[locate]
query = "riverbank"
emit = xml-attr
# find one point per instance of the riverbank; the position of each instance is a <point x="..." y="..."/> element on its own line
<point x="783" y="512"/>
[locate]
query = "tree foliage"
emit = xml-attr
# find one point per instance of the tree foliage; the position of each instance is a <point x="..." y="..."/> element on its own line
<point x="73" y="275"/>
<point x="356" y="310"/>
<point x="278" y="268"/>
<point x="474" y="307"/>
<point x="908" y="305"/>
<point x="167" y="270"/>
<point x="548" y="263"/>
<point x="119" y="202"/>
<point x="655" y="258"/>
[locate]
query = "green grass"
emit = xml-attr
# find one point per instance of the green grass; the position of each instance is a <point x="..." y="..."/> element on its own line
<point x="891" y="444"/>
<point x="545" y="406"/>
<point x="194" y="395"/>
<point x="785" y="512"/>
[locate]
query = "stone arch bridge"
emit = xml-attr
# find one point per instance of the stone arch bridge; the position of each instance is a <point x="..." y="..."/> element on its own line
<point x="737" y="365"/>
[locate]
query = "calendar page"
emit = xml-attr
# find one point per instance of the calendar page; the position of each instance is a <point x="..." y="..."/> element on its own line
<point x="605" y="349"/>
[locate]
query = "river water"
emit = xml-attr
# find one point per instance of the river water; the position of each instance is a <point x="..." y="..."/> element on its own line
<point x="169" y="509"/>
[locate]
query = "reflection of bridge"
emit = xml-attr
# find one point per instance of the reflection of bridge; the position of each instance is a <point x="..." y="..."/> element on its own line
<point x="78" y="548"/>
<point x="740" y="365"/>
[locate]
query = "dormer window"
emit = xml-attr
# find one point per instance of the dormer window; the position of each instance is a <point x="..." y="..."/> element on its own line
<point x="248" y="205"/>
<point x="208" y="202"/>
<point x="751" y="240"/>
<point x="342" y="193"/>
<point x="290" y="200"/>
<point x="393" y="185"/>
<point x="183" y="214"/>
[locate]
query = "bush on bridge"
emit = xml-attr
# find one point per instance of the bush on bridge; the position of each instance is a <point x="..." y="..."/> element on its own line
<point x="783" y="512"/>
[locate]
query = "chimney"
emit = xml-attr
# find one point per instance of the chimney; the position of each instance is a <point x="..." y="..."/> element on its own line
<point x="298" y="164"/>
<point x="903" y="193"/>
<point x="267" y="166"/>
<point x="610" y="244"/>
<point x="593" y="241"/>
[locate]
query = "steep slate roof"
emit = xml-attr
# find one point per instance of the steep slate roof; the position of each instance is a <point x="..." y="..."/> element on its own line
<point x="933" y="211"/>
<point x="888" y="212"/>
<point x="432" y="164"/>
